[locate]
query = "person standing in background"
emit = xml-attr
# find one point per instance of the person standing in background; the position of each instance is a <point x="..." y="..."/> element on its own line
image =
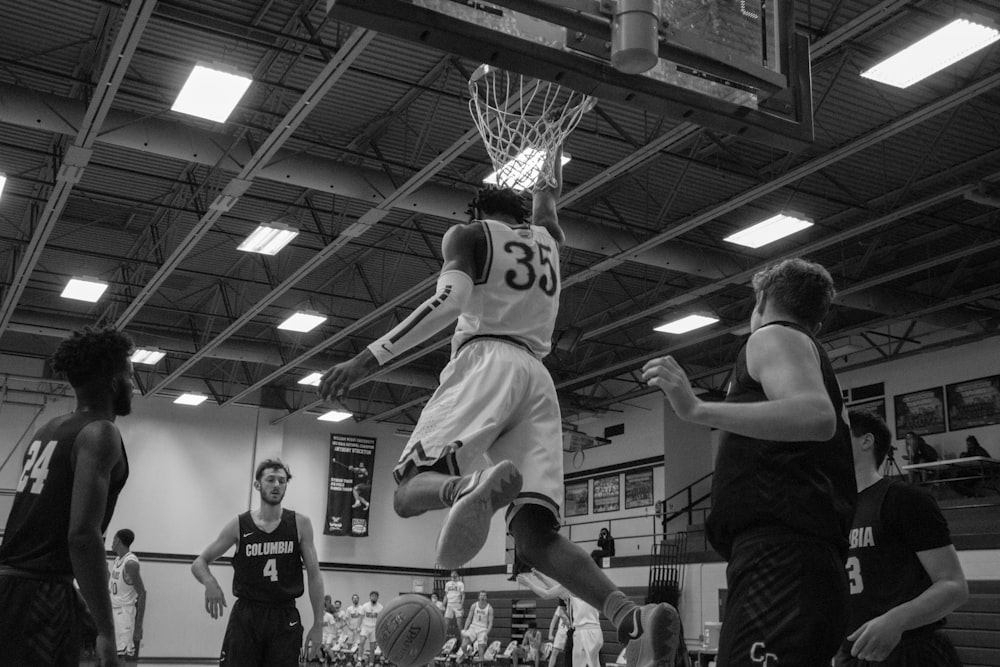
<point x="128" y="596"/>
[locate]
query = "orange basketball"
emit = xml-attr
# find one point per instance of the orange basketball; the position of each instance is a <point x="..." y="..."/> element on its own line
<point x="410" y="631"/>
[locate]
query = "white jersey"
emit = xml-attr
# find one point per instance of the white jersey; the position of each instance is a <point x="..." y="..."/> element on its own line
<point x="354" y="615"/>
<point x="517" y="297"/>
<point x="481" y="616"/>
<point x="583" y="613"/>
<point x="329" y="632"/>
<point x="122" y="594"/>
<point x="371" y="612"/>
<point x="454" y="594"/>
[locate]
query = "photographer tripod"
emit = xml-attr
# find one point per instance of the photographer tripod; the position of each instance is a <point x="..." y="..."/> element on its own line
<point x="890" y="466"/>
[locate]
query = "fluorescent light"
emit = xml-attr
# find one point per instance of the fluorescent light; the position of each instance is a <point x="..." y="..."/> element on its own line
<point x="147" y="356"/>
<point x="3" y="182"/>
<point x="311" y="379"/>
<point x="522" y="171"/>
<point x="303" y="321"/>
<point x="934" y="52"/>
<point x="687" y="323"/>
<point x="334" y="416"/>
<point x="211" y="93"/>
<point x="268" y="238"/>
<point x="190" y="399"/>
<point x="776" y="227"/>
<point x="84" y="289"/>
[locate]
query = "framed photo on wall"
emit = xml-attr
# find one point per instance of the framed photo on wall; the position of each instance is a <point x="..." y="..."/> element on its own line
<point x="920" y="411"/>
<point x="638" y="489"/>
<point x="876" y="406"/>
<point x="607" y="492"/>
<point x="974" y="403"/>
<point x="576" y="499"/>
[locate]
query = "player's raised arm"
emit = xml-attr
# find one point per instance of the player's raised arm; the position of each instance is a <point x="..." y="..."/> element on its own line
<point x="454" y="287"/>
<point x="545" y="203"/>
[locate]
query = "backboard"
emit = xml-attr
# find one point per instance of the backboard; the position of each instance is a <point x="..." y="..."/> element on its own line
<point x="734" y="66"/>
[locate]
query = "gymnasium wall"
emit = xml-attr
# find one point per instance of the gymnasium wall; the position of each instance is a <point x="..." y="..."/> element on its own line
<point x="936" y="369"/>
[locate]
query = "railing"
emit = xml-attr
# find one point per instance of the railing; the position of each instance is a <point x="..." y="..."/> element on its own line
<point x="692" y="505"/>
<point x="631" y="536"/>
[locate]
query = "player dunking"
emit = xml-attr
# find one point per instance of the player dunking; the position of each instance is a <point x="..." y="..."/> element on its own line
<point x="73" y="471"/>
<point x="272" y="545"/>
<point x="783" y="492"/>
<point x="496" y="399"/>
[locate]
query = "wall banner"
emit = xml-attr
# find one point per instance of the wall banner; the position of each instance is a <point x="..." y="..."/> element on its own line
<point x="348" y="502"/>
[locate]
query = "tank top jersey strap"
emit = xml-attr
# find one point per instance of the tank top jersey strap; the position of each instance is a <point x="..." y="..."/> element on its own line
<point x="267" y="566"/>
<point x="516" y="295"/>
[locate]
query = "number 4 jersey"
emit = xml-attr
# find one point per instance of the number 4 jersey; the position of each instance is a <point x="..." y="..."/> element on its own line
<point x="267" y="567"/>
<point x="517" y="294"/>
<point x="36" y="537"/>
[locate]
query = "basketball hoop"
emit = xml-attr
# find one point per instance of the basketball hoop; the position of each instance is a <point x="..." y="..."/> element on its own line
<point x="522" y="121"/>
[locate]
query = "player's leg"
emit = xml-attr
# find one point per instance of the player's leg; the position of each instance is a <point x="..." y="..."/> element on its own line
<point x="787" y="603"/>
<point x="242" y="645"/>
<point x="467" y="412"/>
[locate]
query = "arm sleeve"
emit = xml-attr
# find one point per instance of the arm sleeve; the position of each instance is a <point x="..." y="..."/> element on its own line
<point x="453" y="291"/>
<point x="915" y="517"/>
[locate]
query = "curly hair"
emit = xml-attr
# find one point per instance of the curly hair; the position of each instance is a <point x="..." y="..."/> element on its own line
<point x="493" y="199"/>
<point x="797" y="287"/>
<point x="268" y="464"/>
<point x="93" y="354"/>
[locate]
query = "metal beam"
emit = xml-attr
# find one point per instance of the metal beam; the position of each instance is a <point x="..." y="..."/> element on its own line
<point x="78" y="155"/>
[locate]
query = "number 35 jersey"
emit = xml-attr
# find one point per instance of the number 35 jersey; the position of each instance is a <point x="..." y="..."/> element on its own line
<point x="517" y="295"/>
<point x="267" y="567"/>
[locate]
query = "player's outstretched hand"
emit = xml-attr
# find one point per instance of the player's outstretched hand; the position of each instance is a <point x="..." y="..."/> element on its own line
<point x="215" y="600"/>
<point x="667" y="374"/>
<point x="334" y="383"/>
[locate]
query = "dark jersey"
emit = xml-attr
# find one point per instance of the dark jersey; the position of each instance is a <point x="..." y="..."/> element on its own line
<point x="267" y="567"/>
<point x="805" y="488"/>
<point x="36" y="538"/>
<point x="894" y="521"/>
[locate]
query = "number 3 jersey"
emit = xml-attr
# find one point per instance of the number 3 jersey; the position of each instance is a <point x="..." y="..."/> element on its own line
<point x="517" y="295"/>
<point x="36" y="537"/>
<point x="893" y="521"/>
<point x="267" y="567"/>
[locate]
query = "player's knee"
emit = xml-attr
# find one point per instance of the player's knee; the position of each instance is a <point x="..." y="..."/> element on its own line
<point x="400" y="504"/>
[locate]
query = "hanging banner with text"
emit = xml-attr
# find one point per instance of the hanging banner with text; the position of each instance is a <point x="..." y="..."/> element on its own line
<point x="348" y="503"/>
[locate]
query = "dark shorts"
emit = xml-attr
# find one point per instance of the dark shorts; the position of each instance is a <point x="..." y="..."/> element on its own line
<point x="932" y="649"/>
<point x="41" y="622"/>
<point x="261" y="635"/>
<point x="786" y="605"/>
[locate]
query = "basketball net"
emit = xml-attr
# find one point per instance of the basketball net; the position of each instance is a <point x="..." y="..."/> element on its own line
<point x="522" y="121"/>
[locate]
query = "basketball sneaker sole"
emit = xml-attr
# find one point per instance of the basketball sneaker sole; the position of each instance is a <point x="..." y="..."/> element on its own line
<point x="659" y="640"/>
<point x="467" y="525"/>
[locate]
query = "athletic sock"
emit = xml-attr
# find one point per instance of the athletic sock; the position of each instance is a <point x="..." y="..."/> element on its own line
<point x="451" y="488"/>
<point x="622" y="613"/>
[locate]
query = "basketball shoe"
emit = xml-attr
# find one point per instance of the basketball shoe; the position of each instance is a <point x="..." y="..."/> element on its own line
<point x="652" y="637"/>
<point x="477" y="497"/>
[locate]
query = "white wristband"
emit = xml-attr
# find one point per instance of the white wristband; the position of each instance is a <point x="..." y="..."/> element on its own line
<point x="454" y="288"/>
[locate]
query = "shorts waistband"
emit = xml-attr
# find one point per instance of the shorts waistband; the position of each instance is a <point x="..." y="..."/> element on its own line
<point x="773" y="534"/>
<point x="510" y="340"/>
<point x="289" y="604"/>
<point x="8" y="571"/>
